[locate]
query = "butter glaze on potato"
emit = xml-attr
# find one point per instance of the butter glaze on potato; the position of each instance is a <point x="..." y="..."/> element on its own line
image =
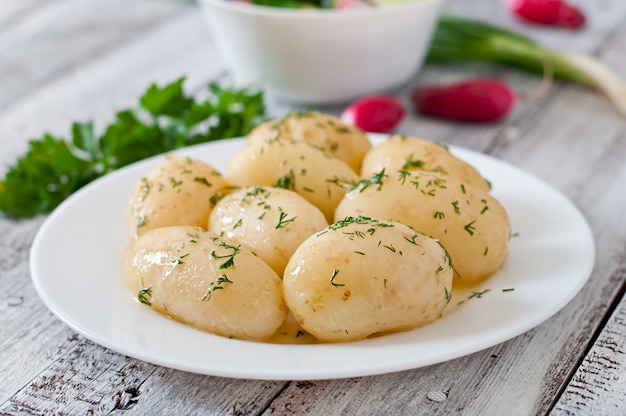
<point x="401" y="152"/>
<point x="272" y="222"/>
<point x="380" y="267"/>
<point x="175" y="192"/>
<point x="319" y="177"/>
<point x="343" y="141"/>
<point x="193" y="276"/>
<point x="470" y="223"/>
<point x="361" y="276"/>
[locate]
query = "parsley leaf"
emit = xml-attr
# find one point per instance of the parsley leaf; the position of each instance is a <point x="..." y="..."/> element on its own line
<point x="166" y="119"/>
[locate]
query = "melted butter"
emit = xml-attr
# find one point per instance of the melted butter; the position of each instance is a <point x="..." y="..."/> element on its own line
<point x="458" y="284"/>
<point x="463" y="292"/>
<point x="291" y="333"/>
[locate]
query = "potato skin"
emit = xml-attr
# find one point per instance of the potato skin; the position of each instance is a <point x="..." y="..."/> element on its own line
<point x="470" y="223"/>
<point x="194" y="277"/>
<point x="272" y="222"/>
<point x="317" y="176"/>
<point x="362" y="276"/>
<point x="401" y="152"/>
<point x="343" y="141"/>
<point x="386" y="264"/>
<point x="175" y="192"/>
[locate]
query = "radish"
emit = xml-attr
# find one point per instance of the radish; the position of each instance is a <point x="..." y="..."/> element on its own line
<point x="548" y="12"/>
<point x="374" y="114"/>
<point x="478" y="100"/>
<point x="352" y="4"/>
<point x="458" y="39"/>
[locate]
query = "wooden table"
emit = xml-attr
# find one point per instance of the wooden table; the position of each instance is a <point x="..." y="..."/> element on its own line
<point x="68" y="60"/>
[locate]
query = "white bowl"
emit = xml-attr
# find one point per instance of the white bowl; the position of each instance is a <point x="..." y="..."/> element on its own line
<point x="322" y="56"/>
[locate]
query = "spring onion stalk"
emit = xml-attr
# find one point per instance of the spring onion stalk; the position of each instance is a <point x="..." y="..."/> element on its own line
<point x="460" y="39"/>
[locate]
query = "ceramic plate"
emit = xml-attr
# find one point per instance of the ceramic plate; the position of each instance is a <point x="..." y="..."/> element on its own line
<point x="76" y="269"/>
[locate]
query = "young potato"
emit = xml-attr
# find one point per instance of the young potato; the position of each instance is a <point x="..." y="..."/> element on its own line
<point x="272" y="222"/>
<point x="470" y="223"/>
<point x="345" y="142"/>
<point x="317" y="176"/>
<point x="191" y="275"/>
<point x="176" y="192"/>
<point x="361" y="276"/>
<point x="401" y="152"/>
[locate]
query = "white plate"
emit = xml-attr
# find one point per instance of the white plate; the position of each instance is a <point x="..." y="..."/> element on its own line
<point x="76" y="269"/>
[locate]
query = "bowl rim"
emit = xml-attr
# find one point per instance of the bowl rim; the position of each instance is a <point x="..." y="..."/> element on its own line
<point x="277" y="12"/>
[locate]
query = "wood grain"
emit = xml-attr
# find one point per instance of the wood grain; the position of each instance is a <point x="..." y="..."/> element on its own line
<point x="102" y="54"/>
<point x="89" y="379"/>
<point x="599" y="385"/>
<point x="108" y="80"/>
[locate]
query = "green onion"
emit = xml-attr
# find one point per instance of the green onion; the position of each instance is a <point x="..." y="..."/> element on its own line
<point x="461" y="39"/>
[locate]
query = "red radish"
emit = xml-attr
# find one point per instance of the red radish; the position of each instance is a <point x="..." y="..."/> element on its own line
<point x="479" y="100"/>
<point x="352" y="4"/>
<point x="374" y="114"/>
<point x="549" y="12"/>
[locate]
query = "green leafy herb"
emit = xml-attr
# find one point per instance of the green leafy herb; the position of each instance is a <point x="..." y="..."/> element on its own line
<point x="332" y="279"/>
<point x="166" y="119"/>
<point x="203" y="181"/>
<point x="470" y="228"/>
<point x="144" y="296"/>
<point x="461" y="39"/>
<point x="375" y="179"/>
<point x="230" y="258"/>
<point x="283" y="221"/>
<point x="479" y="295"/>
<point x="296" y="4"/>
<point x="411" y="163"/>
<point x="287" y="181"/>
<point x="217" y="286"/>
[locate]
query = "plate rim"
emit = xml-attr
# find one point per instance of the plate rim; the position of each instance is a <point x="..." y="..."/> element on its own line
<point x="298" y="373"/>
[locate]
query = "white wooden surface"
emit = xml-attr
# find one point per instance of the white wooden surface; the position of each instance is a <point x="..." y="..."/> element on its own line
<point x="65" y="60"/>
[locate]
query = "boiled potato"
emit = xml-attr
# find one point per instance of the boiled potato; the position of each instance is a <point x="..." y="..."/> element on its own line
<point x="345" y="142"/>
<point x="178" y="191"/>
<point x="194" y="277"/>
<point x="361" y="276"/>
<point x="272" y="222"/>
<point x="401" y="152"/>
<point x="470" y="223"/>
<point x="317" y="176"/>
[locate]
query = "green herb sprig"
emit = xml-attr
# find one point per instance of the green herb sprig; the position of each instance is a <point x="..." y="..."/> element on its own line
<point x="458" y="39"/>
<point x="166" y="119"/>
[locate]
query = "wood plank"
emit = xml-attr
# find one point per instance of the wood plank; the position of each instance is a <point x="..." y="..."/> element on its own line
<point x="601" y="16"/>
<point x="90" y="379"/>
<point x="51" y="42"/>
<point x="61" y="385"/>
<point x="180" y="393"/>
<point x="45" y="364"/>
<point x="70" y="374"/>
<point x="34" y="336"/>
<point x="557" y="140"/>
<point x="31" y="335"/>
<point x="103" y="84"/>
<point x="599" y="385"/>
<point x="13" y="11"/>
